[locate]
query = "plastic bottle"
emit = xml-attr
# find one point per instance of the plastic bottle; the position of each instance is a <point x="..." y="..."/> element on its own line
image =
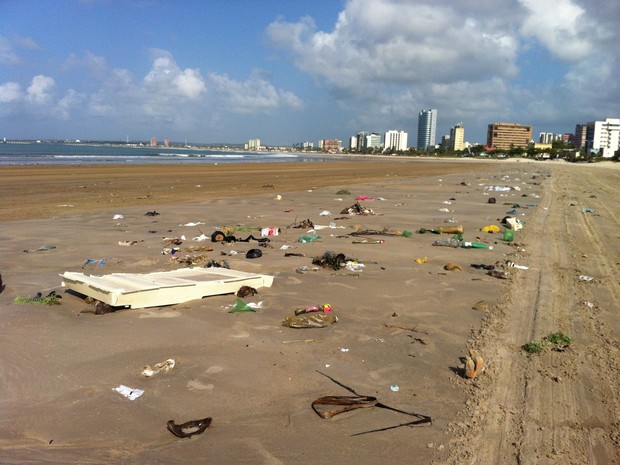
<point x="448" y="242"/>
<point x="473" y="245"/>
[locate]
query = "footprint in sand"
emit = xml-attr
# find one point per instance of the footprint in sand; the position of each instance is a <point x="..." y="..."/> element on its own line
<point x="196" y="385"/>
<point x="214" y="369"/>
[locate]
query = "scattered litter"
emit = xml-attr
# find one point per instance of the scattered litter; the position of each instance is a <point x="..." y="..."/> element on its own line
<point x="474" y="364"/>
<point x="245" y="291"/>
<point x="491" y="229"/>
<point x="452" y="267"/>
<point x="152" y="213"/>
<point x="325" y="213"/>
<point x="130" y="393"/>
<point x="308" y="238"/>
<point x="355" y="267"/>
<point x="368" y="241"/>
<point x="200" y="238"/>
<point x="330" y="260"/>
<point x="443" y="230"/>
<point x="587" y="210"/>
<point x="482" y="266"/>
<point x="444" y="210"/>
<point x="421" y="260"/>
<point x="500" y="274"/>
<point x="310" y="320"/>
<point x="253" y="253"/>
<point x="513" y="223"/>
<point x="127" y="243"/>
<point x="394" y="388"/>
<point x="40" y="248"/>
<point x="264" y="232"/>
<point x="118" y="217"/>
<point x="381" y="232"/>
<point x="240" y="306"/>
<point x="329" y="406"/>
<point x="342" y="349"/>
<point x="514" y="265"/>
<point x="304" y="269"/>
<point x="163" y="367"/>
<point x="481" y="306"/>
<point x="357" y="209"/>
<point x="585" y="278"/>
<point x="190" y="428"/>
<point x="473" y="245"/>
<point x="50" y="299"/>
<point x="99" y="262"/>
<point x="304" y="224"/>
<point x="325" y="308"/>
<point x="191" y="223"/>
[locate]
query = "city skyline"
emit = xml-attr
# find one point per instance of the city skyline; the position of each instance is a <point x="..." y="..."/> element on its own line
<point x="225" y="72"/>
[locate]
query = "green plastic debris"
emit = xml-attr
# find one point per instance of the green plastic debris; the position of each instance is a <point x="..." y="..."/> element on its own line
<point x="240" y="306"/>
<point x="308" y="238"/>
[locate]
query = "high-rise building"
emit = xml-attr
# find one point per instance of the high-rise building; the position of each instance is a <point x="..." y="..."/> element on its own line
<point x="396" y="140"/>
<point x="427" y="124"/>
<point x="153" y="141"/>
<point x="579" y="138"/>
<point x="166" y="142"/>
<point x="373" y="140"/>
<point x="603" y="137"/>
<point x="504" y="136"/>
<point x="361" y="140"/>
<point x="253" y="144"/>
<point x="457" y="137"/>
<point x="353" y="142"/>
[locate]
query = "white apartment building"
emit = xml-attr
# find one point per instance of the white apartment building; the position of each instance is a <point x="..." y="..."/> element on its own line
<point x="396" y="140"/>
<point x="603" y="137"/>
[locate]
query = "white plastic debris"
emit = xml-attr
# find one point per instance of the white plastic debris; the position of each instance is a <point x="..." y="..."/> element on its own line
<point x="395" y="388"/>
<point x="585" y="278"/>
<point x="118" y="217"/>
<point x="130" y="393"/>
<point x="325" y="213"/>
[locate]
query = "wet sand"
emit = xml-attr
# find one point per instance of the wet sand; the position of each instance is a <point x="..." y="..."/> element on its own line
<point x="403" y="326"/>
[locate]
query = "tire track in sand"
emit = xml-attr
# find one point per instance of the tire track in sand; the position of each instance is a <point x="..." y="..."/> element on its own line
<point x="555" y="407"/>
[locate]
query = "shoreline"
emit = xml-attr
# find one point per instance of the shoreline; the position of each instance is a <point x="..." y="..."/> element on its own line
<point x="59" y="190"/>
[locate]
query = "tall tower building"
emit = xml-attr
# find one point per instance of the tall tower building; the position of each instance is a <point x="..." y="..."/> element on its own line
<point x="427" y="124"/>
<point x="457" y="137"/>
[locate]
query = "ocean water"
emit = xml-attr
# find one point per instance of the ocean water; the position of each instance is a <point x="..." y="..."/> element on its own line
<point x="84" y="154"/>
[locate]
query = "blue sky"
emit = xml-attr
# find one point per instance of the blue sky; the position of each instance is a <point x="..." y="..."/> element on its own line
<point x="288" y="71"/>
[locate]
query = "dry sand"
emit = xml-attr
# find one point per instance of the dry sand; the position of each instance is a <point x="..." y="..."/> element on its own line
<point x="256" y="378"/>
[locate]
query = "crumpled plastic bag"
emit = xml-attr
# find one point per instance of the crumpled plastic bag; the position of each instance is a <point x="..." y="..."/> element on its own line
<point x="310" y="320"/>
<point x="240" y="306"/>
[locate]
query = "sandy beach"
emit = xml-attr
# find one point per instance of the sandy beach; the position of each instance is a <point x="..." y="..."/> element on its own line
<point x="403" y="327"/>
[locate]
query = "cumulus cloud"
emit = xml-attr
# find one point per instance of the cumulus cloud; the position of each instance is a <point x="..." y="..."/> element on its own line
<point x="39" y="90"/>
<point x="252" y="95"/>
<point x="402" y="43"/>
<point x="166" y="77"/>
<point x="10" y="92"/>
<point x="568" y="32"/>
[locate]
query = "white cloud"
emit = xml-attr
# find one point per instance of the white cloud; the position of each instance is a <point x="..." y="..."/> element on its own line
<point x="10" y="92"/>
<point x="403" y="43"/>
<point x="167" y="78"/>
<point x="253" y="95"/>
<point x="562" y="26"/>
<point x="38" y="91"/>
